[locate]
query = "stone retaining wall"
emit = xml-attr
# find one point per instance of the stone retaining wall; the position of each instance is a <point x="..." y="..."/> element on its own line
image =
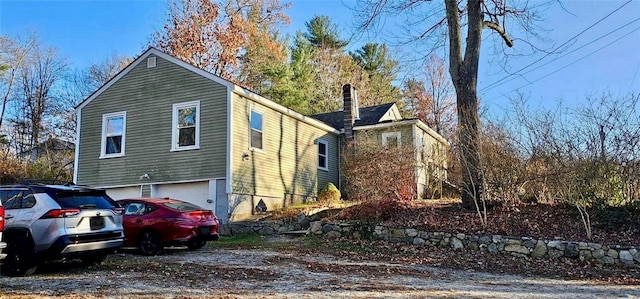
<point x="517" y="246"/>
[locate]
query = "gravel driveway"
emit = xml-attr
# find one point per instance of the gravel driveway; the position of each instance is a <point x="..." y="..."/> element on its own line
<point x="268" y="273"/>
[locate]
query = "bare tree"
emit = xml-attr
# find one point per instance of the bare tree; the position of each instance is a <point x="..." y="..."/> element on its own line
<point x="464" y="54"/>
<point x="36" y="96"/>
<point x="13" y="55"/>
<point x="76" y="87"/>
<point x="432" y="100"/>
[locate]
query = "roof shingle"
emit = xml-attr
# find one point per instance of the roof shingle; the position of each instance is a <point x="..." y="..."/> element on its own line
<point x="368" y="116"/>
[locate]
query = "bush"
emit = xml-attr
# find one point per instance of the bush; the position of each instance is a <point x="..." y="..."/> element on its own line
<point x="374" y="172"/>
<point x="620" y="217"/>
<point x="11" y="170"/>
<point x="373" y="210"/>
<point x="329" y="194"/>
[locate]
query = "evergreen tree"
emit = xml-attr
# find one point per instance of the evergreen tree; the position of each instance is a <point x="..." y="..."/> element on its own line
<point x="322" y="33"/>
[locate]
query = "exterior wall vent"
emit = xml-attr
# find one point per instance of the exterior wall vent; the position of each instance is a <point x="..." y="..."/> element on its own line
<point x="151" y="62"/>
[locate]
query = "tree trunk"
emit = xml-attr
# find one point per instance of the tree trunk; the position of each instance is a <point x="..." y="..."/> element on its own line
<point x="464" y="74"/>
<point x="468" y="136"/>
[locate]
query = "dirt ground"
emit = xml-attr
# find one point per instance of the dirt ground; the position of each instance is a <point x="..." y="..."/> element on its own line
<point x="272" y="273"/>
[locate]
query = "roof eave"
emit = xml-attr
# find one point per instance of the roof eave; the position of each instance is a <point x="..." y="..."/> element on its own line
<point x="416" y="122"/>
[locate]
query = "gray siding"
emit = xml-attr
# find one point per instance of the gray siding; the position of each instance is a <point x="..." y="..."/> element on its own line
<point x="148" y="95"/>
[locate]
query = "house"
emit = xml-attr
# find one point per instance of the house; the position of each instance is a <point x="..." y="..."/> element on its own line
<point x="385" y="124"/>
<point x="55" y="152"/>
<point x="162" y="127"/>
<point x="53" y="146"/>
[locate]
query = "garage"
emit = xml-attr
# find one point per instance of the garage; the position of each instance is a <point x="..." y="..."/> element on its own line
<point x="196" y="193"/>
<point x="124" y="192"/>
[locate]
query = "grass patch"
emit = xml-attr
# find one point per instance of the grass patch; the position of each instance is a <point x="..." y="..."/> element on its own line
<point x="247" y="240"/>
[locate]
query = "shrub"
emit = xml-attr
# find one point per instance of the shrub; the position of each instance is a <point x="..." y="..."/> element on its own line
<point x="374" y="172"/>
<point x="616" y="217"/>
<point x="11" y="170"/>
<point x="329" y="194"/>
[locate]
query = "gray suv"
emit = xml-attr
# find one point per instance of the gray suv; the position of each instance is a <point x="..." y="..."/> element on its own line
<point x="52" y="222"/>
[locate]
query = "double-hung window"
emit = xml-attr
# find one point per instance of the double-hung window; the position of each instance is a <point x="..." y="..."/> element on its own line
<point x="186" y="126"/>
<point x="257" y="129"/>
<point x="113" y="134"/>
<point x="323" y="157"/>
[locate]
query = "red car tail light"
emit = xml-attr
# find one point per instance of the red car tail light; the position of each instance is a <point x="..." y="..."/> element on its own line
<point x="1" y="218"/>
<point x="60" y="213"/>
<point x="201" y="215"/>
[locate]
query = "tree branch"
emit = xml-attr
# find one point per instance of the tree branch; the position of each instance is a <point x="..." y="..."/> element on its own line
<point x="497" y="28"/>
<point x="455" y="42"/>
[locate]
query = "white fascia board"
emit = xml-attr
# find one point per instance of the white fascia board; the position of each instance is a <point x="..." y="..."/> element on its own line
<point x="416" y="122"/>
<point x="77" y="150"/>
<point x="433" y="133"/>
<point x="229" y="166"/>
<point x="284" y="110"/>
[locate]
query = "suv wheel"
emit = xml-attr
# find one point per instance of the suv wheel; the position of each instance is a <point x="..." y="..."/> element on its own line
<point x="150" y="243"/>
<point x="21" y="258"/>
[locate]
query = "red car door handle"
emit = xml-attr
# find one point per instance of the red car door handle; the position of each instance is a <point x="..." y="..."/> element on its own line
<point x="138" y="220"/>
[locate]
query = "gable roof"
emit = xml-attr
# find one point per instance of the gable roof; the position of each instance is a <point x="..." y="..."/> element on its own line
<point x="231" y="87"/>
<point x="52" y="143"/>
<point x="368" y="116"/>
<point x="141" y="58"/>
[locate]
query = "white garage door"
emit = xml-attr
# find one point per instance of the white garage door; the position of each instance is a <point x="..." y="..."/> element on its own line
<point x="195" y="193"/>
<point x="125" y="192"/>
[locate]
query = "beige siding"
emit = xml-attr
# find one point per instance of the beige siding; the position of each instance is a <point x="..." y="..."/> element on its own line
<point x="406" y="133"/>
<point x="287" y="165"/>
<point x="147" y="95"/>
<point x="432" y="166"/>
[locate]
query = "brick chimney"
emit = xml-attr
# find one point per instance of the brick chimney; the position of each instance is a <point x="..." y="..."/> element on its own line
<point x="350" y="110"/>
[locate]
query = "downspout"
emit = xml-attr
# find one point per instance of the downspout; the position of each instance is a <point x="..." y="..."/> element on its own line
<point x="77" y="153"/>
<point x="339" y="164"/>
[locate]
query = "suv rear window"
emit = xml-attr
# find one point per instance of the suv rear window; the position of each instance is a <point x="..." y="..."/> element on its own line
<point x="84" y="200"/>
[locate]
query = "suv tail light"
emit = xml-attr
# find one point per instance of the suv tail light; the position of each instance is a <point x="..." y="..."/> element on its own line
<point x="118" y="210"/>
<point x="60" y="213"/>
<point x="1" y="218"/>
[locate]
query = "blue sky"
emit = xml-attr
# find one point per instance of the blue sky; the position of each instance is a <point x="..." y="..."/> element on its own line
<point x="609" y="60"/>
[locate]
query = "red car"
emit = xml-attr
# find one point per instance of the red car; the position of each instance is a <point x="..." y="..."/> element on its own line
<point x="152" y="223"/>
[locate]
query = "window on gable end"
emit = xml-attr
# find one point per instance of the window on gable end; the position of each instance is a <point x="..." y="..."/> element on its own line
<point x="323" y="155"/>
<point x="186" y="126"/>
<point x="257" y="130"/>
<point x="391" y="139"/>
<point x="113" y="134"/>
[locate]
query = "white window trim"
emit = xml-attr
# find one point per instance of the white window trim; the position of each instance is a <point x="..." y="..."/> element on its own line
<point x="174" y="126"/>
<point x="326" y="155"/>
<point x="103" y="140"/>
<point x="389" y="135"/>
<point x="151" y="62"/>
<point x="264" y="145"/>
